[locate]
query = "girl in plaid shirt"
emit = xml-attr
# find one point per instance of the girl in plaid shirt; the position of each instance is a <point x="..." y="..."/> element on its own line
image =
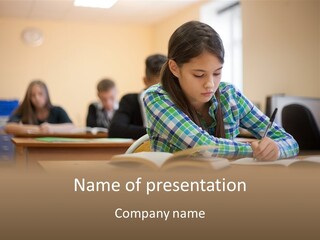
<point x="191" y="107"/>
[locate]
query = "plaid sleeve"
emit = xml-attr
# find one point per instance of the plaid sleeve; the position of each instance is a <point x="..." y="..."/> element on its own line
<point x="252" y="119"/>
<point x="172" y="130"/>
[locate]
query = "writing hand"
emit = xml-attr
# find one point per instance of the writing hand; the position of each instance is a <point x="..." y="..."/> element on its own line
<point x="266" y="149"/>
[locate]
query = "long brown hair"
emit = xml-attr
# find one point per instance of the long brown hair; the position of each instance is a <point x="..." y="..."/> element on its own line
<point x="189" y="41"/>
<point x="26" y="109"/>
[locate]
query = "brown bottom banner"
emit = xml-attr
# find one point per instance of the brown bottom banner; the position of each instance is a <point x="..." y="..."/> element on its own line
<point x="79" y="201"/>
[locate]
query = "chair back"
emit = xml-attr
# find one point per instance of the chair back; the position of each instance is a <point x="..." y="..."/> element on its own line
<point x="140" y="145"/>
<point x="300" y="123"/>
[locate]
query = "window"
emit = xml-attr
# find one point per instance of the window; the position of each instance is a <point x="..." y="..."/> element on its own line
<point x="225" y="18"/>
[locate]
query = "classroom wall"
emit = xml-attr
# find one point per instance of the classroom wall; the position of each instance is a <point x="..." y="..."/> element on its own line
<point x="281" y="48"/>
<point x="164" y="29"/>
<point x="72" y="59"/>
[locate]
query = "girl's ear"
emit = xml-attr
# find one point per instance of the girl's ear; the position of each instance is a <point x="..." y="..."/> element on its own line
<point x="174" y="68"/>
<point x="145" y="81"/>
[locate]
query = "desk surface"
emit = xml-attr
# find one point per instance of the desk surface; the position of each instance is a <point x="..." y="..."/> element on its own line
<point x="68" y="135"/>
<point x="86" y="143"/>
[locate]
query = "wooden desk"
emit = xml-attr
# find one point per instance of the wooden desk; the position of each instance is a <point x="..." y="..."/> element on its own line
<point x="29" y="150"/>
<point x="67" y="135"/>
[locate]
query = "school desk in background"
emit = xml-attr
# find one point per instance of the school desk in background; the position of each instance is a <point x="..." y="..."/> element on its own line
<point x="31" y="150"/>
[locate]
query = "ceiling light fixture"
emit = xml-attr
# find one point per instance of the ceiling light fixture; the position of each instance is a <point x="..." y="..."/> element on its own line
<point x="94" y="3"/>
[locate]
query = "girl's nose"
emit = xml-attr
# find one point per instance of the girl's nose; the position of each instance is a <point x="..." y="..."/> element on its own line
<point x="209" y="84"/>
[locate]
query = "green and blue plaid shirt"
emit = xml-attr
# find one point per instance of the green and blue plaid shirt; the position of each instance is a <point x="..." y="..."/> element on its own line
<point x="171" y="130"/>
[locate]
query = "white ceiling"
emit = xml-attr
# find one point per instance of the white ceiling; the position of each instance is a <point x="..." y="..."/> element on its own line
<point x="124" y="11"/>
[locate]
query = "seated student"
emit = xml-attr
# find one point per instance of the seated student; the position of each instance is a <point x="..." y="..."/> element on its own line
<point x="191" y="107"/>
<point x="36" y="114"/>
<point x="128" y="121"/>
<point x="101" y="113"/>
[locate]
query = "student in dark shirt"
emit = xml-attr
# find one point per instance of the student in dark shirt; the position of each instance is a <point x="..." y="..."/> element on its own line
<point x="128" y="121"/>
<point x="36" y="114"/>
<point x="101" y="113"/>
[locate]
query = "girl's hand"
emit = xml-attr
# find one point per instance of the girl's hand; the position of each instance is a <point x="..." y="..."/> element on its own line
<point x="266" y="149"/>
<point x="46" y="128"/>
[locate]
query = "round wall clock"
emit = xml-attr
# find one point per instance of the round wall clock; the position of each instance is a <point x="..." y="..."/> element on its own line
<point x="32" y="37"/>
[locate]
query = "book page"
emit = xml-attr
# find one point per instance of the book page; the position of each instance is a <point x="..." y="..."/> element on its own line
<point x="196" y="162"/>
<point x="203" y="151"/>
<point x="220" y="163"/>
<point x="284" y="162"/>
<point x="168" y="160"/>
<point x="93" y="130"/>
<point x="152" y="159"/>
<point x="311" y="158"/>
<point x="252" y="161"/>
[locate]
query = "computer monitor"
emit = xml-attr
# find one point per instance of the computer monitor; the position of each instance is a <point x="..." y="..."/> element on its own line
<point x="280" y="101"/>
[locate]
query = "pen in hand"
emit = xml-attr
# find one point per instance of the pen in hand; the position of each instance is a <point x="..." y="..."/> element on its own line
<point x="271" y="122"/>
<point x="268" y="126"/>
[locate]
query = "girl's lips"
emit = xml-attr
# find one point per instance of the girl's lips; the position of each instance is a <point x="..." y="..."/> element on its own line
<point x="207" y="94"/>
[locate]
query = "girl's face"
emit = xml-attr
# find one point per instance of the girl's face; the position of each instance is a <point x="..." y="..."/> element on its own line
<point x="38" y="96"/>
<point x="199" y="78"/>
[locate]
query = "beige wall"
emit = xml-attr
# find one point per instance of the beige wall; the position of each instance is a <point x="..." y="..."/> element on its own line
<point x="281" y="48"/>
<point x="72" y="59"/>
<point x="164" y="29"/>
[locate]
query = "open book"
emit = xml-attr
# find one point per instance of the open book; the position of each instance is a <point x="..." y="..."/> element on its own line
<point x="197" y="157"/>
<point x="92" y="130"/>
<point x="95" y="130"/>
<point x="284" y="162"/>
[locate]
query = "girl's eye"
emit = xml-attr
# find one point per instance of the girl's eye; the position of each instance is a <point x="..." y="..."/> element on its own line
<point x="217" y="74"/>
<point x="198" y="76"/>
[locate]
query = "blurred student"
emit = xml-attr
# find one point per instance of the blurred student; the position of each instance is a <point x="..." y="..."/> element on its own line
<point x="192" y="107"/>
<point x="128" y="121"/>
<point x="101" y="113"/>
<point x="36" y="114"/>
